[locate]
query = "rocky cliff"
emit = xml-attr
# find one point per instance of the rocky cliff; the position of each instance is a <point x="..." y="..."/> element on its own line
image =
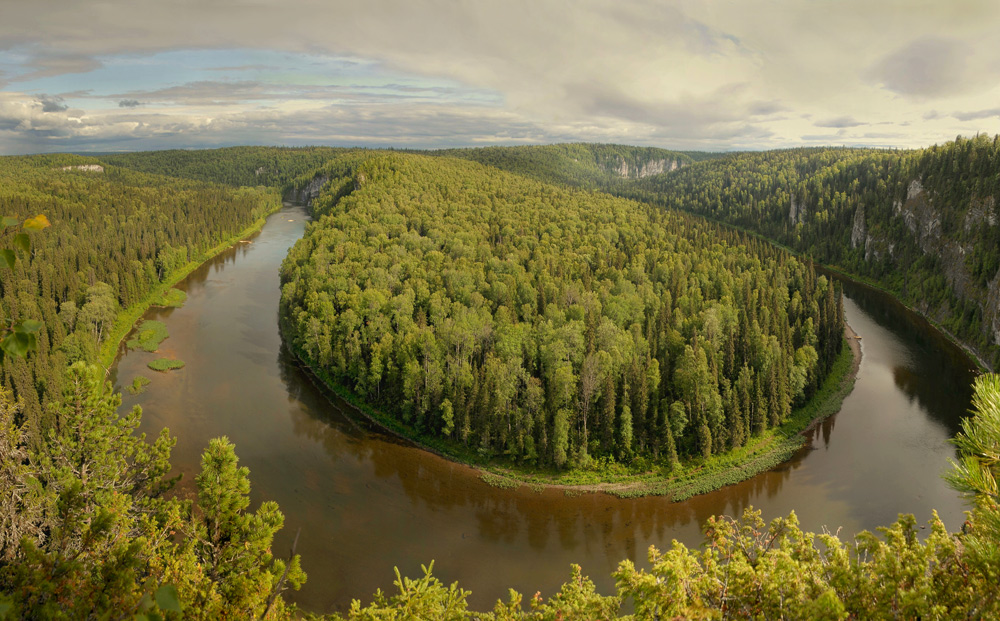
<point x="310" y="191"/>
<point x="943" y="231"/>
<point x="86" y="168"/>
<point x="796" y="212"/>
<point x="859" y="230"/>
<point x="646" y="169"/>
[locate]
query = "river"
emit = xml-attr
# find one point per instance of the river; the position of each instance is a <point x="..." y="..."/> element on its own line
<point x="366" y="502"/>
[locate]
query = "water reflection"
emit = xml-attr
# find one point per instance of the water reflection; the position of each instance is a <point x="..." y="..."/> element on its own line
<point x="925" y="359"/>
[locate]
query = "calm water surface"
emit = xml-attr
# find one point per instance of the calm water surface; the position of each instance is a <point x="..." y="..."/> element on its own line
<point x="366" y="502"/>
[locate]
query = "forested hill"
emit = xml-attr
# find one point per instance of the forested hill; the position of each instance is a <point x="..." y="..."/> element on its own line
<point x="581" y="165"/>
<point x="923" y="224"/>
<point x="550" y="325"/>
<point x="237" y="166"/>
<point x="116" y="235"/>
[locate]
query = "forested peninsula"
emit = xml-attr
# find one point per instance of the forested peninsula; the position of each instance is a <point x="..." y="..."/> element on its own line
<point x="551" y="309"/>
<point x="547" y="326"/>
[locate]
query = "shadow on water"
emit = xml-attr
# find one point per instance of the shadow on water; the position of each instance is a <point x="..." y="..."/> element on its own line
<point x="930" y="359"/>
<point x="366" y="501"/>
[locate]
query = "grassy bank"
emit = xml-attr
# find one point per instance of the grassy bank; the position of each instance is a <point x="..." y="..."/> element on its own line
<point x="160" y="294"/>
<point x="642" y="478"/>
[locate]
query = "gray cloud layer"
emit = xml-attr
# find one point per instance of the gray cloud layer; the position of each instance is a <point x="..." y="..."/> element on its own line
<point x="926" y="67"/>
<point x="687" y="74"/>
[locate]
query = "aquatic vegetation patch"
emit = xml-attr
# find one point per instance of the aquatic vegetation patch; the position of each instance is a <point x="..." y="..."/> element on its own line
<point x="165" y="364"/>
<point x="171" y="297"/>
<point x="149" y="336"/>
<point x="138" y="385"/>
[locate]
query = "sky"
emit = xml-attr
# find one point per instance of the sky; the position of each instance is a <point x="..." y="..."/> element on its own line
<point x="715" y="75"/>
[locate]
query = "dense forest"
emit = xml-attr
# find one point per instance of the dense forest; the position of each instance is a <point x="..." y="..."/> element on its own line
<point x="922" y="224"/>
<point x="550" y="325"/>
<point x="87" y="524"/>
<point x="115" y="235"/>
<point x="237" y="166"/>
<point x="589" y="166"/>
<point x="513" y="316"/>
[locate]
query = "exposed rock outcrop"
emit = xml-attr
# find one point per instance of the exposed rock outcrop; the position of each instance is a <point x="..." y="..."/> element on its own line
<point x="991" y="314"/>
<point x="980" y="212"/>
<point x="924" y="221"/>
<point x="310" y="191"/>
<point x="652" y="167"/>
<point x="859" y="231"/>
<point x="921" y="218"/>
<point x="86" y="168"/>
<point x="796" y="212"/>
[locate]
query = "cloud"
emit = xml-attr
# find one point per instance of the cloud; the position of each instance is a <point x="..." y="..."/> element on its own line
<point x="221" y="93"/>
<point x="25" y="128"/>
<point x="926" y="67"/>
<point x="52" y="104"/>
<point x="978" y="114"/>
<point x="840" y="122"/>
<point x="129" y="103"/>
<point x="723" y="112"/>
<point x="46" y="65"/>
<point x="239" y="68"/>
<point x="686" y="74"/>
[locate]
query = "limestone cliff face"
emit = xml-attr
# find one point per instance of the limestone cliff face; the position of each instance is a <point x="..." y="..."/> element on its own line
<point x="991" y="315"/>
<point x="924" y="220"/>
<point x="310" y="191"/>
<point x="652" y="167"/>
<point x="656" y="167"/>
<point x="859" y="231"/>
<point x="622" y="169"/>
<point x="86" y="168"/>
<point x="796" y="212"/>
<point x="980" y="212"/>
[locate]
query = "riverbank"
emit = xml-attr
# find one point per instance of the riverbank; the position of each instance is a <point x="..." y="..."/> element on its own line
<point x="127" y="318"/>
<point x="971" y="352"/>
<point x="697" y="476"/>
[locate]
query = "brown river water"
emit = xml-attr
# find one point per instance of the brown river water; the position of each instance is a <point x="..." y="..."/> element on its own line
<point x="366" y="502"/>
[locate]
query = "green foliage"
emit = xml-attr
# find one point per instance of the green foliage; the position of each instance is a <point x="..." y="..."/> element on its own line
<point x="234" y="545"/>
<point x="171" y="297"/>
<point x="978" y="472"/>
<point x="18" y="338"/>
<point x="87" y="529"/>
<point x="138" y="384"/>
<point x="545" y="326"/>
<point x="424" y="598"/>
<point x="148" y="335"/>
<point x="501" y="482"/>
<point x="921" y="224"/>
<point x="236" y="166"/>
<point x="165" y="364"/>
<point x="111" y="236"/>
<point x="589" y="166"/>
